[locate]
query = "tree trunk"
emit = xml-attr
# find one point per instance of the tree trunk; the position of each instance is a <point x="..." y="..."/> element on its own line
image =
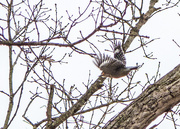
<point x="155" y="100"/>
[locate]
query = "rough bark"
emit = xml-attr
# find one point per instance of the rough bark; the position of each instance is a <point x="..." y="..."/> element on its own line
<point x="155" y="100"/>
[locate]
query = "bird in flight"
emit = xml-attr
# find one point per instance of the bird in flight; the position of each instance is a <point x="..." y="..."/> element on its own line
<point x="113" y="67"/>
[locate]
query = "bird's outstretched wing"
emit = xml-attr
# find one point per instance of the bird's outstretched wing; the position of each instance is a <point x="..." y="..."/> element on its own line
<point x="118" y="52"/>
<point x="101" y="59"/>
<point x="113" y="67"/>
<point x="107" y="62"/>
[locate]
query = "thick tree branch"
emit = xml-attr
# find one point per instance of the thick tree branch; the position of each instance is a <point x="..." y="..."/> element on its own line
<point x="49" y="106"/>
<point x="155" y="100"/>
<point x="94" y="87"/>
<point x="135" y="30"/>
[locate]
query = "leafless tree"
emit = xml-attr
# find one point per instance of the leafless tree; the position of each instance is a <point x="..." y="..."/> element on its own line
<point x="40" y="44"/>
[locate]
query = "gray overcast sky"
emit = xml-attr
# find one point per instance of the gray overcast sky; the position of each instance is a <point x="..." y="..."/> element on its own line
<point x="164" y="26"/>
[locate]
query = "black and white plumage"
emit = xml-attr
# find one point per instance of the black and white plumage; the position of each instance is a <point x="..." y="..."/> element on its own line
<point x="113" y="67"/>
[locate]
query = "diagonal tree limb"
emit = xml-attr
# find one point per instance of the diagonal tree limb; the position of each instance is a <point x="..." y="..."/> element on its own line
<point x="143" y="19"/>
<point x="94" y="87"/>
<point x="155" y="100"/>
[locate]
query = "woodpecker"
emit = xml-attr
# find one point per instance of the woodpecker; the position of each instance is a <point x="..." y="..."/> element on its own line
<point x="113" y="67"/>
